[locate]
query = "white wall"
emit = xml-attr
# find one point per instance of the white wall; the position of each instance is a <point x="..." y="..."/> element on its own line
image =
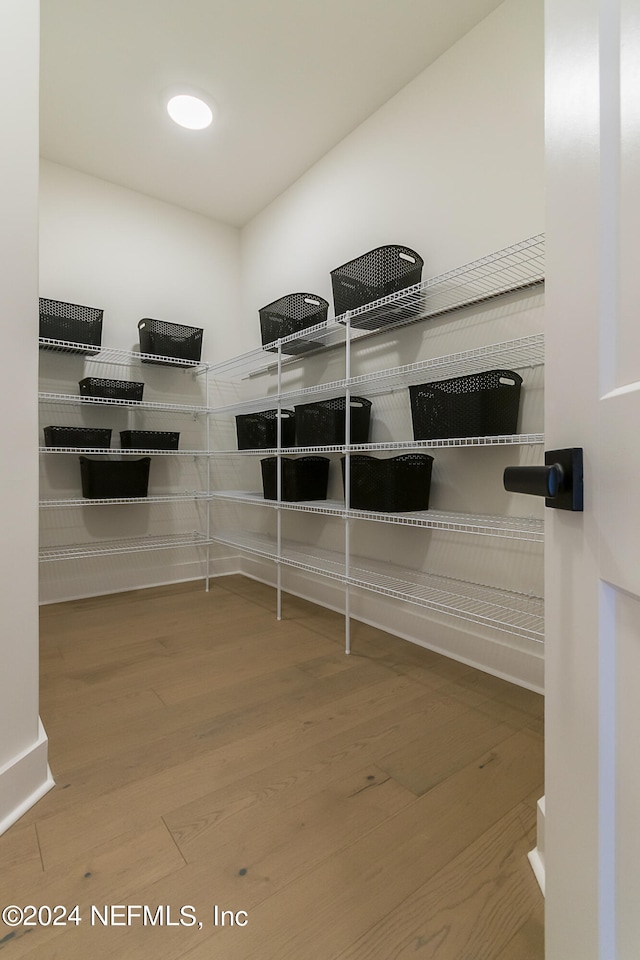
<point x="453" y="167"/>
<point x="105" y="246"/>
<point x="134" y="257"/>
<point x="24" y="775"/>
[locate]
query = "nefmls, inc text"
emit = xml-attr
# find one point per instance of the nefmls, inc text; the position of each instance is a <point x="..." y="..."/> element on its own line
<point x="162" y="915"/>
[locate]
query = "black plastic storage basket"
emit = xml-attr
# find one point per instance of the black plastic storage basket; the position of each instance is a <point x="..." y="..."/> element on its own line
<point x="304" y="478"/>
<point x="477" y="405"/>
<point x="393" y="485"/>
<point x="149" y="440"/>
<point x="169" y="340"/>
<point x="111" y="389"/>
<point x="76" y="437"/>
<point x="372" y="276"/>
<point x="72" y="323"/>
<point x="258" y="431"/>
<point x="107" y="479"/>
<point x="289" y="315"/>
<point x="323" y="422"/>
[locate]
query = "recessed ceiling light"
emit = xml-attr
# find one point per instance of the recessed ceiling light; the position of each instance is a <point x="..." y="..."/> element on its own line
<point x="190" y="112"/>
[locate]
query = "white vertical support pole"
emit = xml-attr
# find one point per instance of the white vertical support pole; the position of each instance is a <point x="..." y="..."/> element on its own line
<point x="347" y="487"/>
<point x="208" y="426"/>
<point x="279" y="487"/>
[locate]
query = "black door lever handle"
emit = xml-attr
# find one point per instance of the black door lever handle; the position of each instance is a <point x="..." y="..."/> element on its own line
<point x="538" y="481"/>
<point x="559" y="481"/>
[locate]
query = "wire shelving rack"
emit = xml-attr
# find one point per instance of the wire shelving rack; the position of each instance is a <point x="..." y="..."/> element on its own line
<point x="520" y="615"/>
<point x="515" y="269"/>
<point x="103" y="548"/>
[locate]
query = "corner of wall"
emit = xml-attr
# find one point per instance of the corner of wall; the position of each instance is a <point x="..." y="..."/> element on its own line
<point x="24" y="780"/>
<point x="24" y="773"/>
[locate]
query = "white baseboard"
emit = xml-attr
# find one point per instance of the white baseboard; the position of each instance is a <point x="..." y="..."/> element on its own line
<point x="450" y="640"/>
<point x="536" y="857"/>
<point x="24" y="780"/>
<point x="219" y="567"/>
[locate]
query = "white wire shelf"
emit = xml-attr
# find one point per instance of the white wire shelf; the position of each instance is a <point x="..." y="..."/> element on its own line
<point x="120" y="451"/>
<point x="518" y="614"/>
<point x="273" y="451"/>
<point x="106" y="548"/>
<point x="511" y="528"/>
<point x="519" y="354"/>
<point x="512" y="269"/>
<point x="88" y="502"/>
<point x="515" y="439"/>
<point x="117" y="356"/>
<point x="289" y="397"/>
<point x="332" y="508"/>
<point x="74" y="400"/>
<point x="509" y="270"/>
<point x="263" y="359"/>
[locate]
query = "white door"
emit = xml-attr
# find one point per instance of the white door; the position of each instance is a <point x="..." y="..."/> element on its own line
<point x="592" y="567"/>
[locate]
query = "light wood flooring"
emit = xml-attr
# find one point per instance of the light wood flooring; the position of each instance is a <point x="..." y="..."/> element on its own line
<point x="367" y="807"/>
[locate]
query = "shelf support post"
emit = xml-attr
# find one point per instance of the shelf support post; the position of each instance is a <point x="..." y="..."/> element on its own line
<point x="347" y="485"/>
<point x="208" y="423"/>
<point x="279" y="487"/>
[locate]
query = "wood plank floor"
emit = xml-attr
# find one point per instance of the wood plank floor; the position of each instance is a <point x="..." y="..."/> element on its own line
<point x="367" y="807"/>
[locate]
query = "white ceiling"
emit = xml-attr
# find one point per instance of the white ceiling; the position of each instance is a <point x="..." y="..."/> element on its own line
<point x="290" y="79"/>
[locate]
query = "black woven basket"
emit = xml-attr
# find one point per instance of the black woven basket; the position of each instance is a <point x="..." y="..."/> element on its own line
<point x="258" y="431"/>
<point x="72" y="323"/>
<point x="289" y="315"/>
<point x="372" y="276"/>
<point x="111" y="389"/>
<point x="149" y="440"/>
<point x="169" y="340"/>
<point x="477" y="405"/>
<point x="76" y="437"/>
<point x="304" y="478"/>
<point x="323" y="423"/>
<point x="393" y="485"/>
<point x="107" y="479"/>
